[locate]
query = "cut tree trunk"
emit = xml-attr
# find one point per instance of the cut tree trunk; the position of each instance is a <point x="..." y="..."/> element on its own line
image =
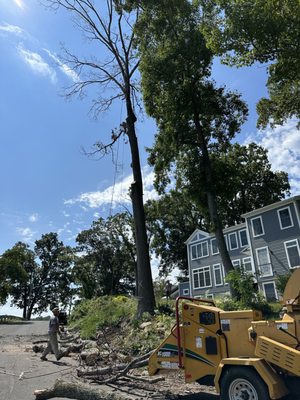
<point x="76" y="391"/>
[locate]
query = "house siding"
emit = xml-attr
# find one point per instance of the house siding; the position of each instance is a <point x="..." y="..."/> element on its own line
<point x="270" y="243"/>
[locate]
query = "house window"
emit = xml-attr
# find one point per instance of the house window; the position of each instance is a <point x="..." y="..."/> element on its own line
<point x="243" y="238"/>
<point x="292" y="253"/>
<point x="285" y="218"/>
<point x="218" y="274"/>
<point x="233" y="243"/>
<point x="208" y="296"/>
<point x="199" y="250"/>
<point x="214" y="246"/>
<point x="264" y="262"/>
<point x="247" y="264"/>
<point x="257" y="226"/>
<point x="202" y="277"/>
<point x="186" y="292"/>
<point x="236" y="263"/>
<point x="270" y="291"/>
<point x="223" y="272"/>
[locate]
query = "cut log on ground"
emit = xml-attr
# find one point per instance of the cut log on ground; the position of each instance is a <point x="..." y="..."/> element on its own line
<point x="76" y="391"/>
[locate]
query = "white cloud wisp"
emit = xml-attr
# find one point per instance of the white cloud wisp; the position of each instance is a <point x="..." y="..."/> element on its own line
<point x="116" y="195"/>
<point x="37" y="63"/>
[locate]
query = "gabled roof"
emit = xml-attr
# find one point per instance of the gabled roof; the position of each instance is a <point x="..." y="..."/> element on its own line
<point x="271" y="206"/>
<point x="198" y="234"/>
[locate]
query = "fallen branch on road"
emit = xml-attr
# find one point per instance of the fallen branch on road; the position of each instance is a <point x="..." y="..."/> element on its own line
<point x="75" y="391"/>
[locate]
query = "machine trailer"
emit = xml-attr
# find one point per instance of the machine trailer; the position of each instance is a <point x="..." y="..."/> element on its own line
<point x="246" y="357"/>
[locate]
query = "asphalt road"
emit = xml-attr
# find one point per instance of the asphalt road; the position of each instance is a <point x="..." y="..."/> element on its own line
<point x="21" y="370"/>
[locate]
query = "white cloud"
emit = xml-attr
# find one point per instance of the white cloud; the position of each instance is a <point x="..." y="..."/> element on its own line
<point x="37" y="63"/>
<point x="283" y="145"/>
<point x="14" y="29"/>
<point x="117" y="194"/>
<point x="63" y="67"/>
<point x="26" y="233"/>
<point x="33" y="218"/>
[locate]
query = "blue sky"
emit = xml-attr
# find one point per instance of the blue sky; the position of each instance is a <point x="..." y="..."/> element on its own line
<point x="47" y="183"/>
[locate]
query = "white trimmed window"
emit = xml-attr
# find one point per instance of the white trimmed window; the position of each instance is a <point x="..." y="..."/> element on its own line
<point x="285" y="218"/>
<point x="264" y="262"/>
<point x="236" y="263"/>
<point x="270" y="291"/>
<point x="199" y="250"/>
<point x="218" y="274"/>
<point x="209" y="296"/>
<point x="226" y="241"/>
<point x="223" y="272"/>
<point x="292" y="253"/>
<point x="243" y="238"/>
<point x="247" y="264"/>
<point x="202" y="277"/>
<point x="257" y="226"/>
<point x="186" y="292"/>
<point x="214" y="246"/>
<point x="233" y="243"/>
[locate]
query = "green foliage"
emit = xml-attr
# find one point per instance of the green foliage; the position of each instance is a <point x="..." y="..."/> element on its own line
<point x="171" y="220"/>
<point x="106" y="257"/>
<point x="90" y="315"/>
<point x="15" y="266"/>
<point x="135" y="336"/>
<point x="39" y="278"/>
<point x="281" y="281"/>
<point x="264" y="31"/>
<point x="243" y="285"/>
<point x="248" y="296"/>
<point x="246" y="181"/>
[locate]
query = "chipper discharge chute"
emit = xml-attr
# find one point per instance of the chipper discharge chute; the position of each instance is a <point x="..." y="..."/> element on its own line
<point x="245" y="357"/>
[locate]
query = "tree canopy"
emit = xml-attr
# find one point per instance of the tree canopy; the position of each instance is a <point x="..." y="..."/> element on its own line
<point x="263" y="31"/>
<point x="37" y="279"/>
<point x="194" y="117"/>
<point x="106" y="262"/>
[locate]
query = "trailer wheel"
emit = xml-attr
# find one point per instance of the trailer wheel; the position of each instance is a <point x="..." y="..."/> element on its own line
<point x="243" y="384"/>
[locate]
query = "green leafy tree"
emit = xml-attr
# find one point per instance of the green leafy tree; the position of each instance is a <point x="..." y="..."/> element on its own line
<point x="52" y="281"/>
<point x="37" y="279"/>
<point x="263" y="31"/>
<point x="106" y="263"/>
<point x="194" y="117"/>
<point x="16" y="265"/>
<point x="113" y="70"/>
<point x="171" y="220"/>
<point x="281" y="282"/>
<point x="245" y="181"/>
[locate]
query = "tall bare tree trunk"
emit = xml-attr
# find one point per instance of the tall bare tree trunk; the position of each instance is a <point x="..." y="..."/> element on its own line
<point x="145" y="292"/>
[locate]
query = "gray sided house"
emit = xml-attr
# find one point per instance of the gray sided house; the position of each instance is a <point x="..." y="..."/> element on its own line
<point x="266" y="244"/>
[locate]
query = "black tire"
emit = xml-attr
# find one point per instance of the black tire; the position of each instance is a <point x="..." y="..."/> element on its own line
<point x="243" y="383"/>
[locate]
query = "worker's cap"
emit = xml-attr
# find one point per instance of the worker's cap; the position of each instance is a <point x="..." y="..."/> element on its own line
<point x="55" y="309"/>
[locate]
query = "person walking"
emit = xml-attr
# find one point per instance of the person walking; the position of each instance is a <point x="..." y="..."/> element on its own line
<point x="53" y="331"/>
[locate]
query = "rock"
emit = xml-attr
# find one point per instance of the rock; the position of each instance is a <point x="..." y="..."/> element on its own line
<point x="145" y="324"/>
